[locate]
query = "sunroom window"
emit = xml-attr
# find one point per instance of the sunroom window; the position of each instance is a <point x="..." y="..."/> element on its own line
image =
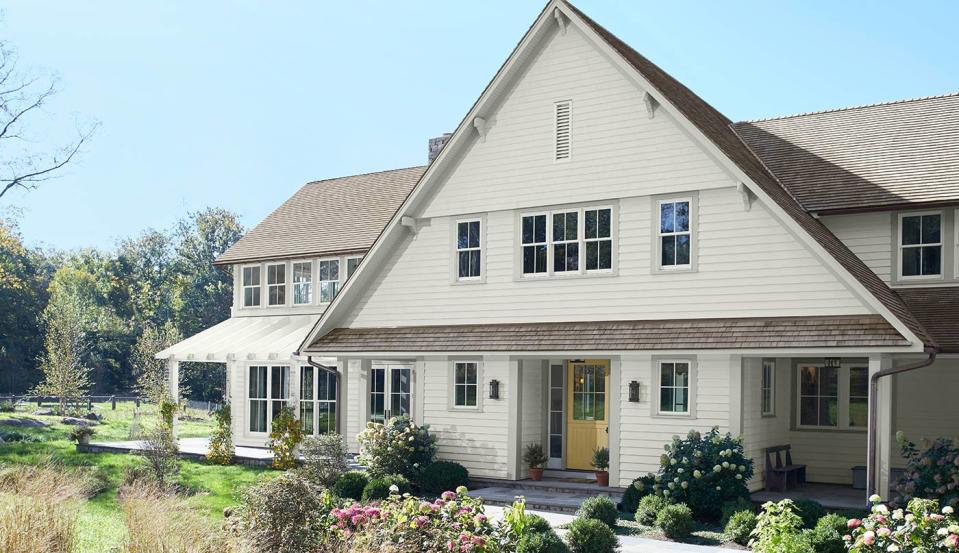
<point x="329" y="279"/>
<point x="920" y="245"/>
<point x="276" y="284"/>
<point x="268" y="388"/>
<point x="251" y="286"/>
<point x="675" y="236"/>
<point x="317" y="400"/>
<point x="468" y="249"/>
<point x="303" y="283"/>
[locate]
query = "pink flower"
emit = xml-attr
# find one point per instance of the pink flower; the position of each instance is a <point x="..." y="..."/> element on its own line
<point x="952" y="541"/>
<point x="937" y="517"/>
<point x="425" y="507"/>
<point x="869" y="538"/>
<point x="853" y="523"/>
<point x="847" y="537"/>
<point x="883" y="532"/>
<point x="448" y="496"/>
<point x="420" y="521"/>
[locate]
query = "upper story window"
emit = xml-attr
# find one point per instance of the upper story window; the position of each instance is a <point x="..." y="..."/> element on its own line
<point x="564" y="121"/>
<point x="468" y="249"/>
<point x="920" y="245"/>
<point x="251" y="286"/>
<point x="276" y="284"/>
<point x="302" y="283"/>
<point x="577" y="241"/>
<point x="675" y="234"/>
<point x="329" y="279"/>
<point x="351" y="264"/>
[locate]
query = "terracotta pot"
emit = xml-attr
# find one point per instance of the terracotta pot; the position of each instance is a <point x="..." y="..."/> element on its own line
<point x="536" y="474"/>
<point x="602" y="478"/>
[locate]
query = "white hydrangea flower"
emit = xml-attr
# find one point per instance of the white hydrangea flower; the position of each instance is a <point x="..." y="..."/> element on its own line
<point x="882" y="509"/>
<point x="947" y="510"/>
<point x="943" y="532"/>
<point x="739" y="477"/>
<point x="697" y="474"/>
<point x="685" y="485"/>
<point x="874" y="498"/>
<point x="893" y="548"/>
<point x="394" y="488"/>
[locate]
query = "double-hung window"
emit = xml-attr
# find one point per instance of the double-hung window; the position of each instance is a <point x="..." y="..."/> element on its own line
<point x="567" y="241"/>
<point x="675" y="234"/>
<point x="674" y="379"/>
<point x="317" y="400"/>
<point x="465" y="384"/>
<point x="858" y="397"/>
<point x="302" y="283"/>
<point x="768" y="388"/>
<point x="535" y="250"/>
<point x="276" y="284"/>
<point x="351" y="264"/>
<point x="329" y="279"/>
<point x="920" y="245"/>
<point x="251" y="286"/>
<point x="268" y="388"/>
<point x="468" y="250"/>
<point x="818" y="396"/>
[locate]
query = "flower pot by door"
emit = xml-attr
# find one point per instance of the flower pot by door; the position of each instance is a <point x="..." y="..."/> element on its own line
<point x="536" y="474"/>
<point x="602" y="478"/>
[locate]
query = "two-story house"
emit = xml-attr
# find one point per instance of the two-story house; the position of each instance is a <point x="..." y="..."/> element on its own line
<point x="598" y="257"/>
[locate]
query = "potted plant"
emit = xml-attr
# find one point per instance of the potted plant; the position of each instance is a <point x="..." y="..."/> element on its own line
<point x="81" y="434"/>
<point x="535" y="458"/>
<point x="601" y="464"/>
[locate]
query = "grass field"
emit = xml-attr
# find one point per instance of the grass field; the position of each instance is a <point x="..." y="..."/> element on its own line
<point x="101" y="525"/>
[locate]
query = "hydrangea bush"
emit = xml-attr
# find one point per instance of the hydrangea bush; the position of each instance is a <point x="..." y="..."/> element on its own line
<point x="703" y="471"/>
<point x="921" y="526"/>
<point x="398" y="447"/>
<point x="930" y="474"/>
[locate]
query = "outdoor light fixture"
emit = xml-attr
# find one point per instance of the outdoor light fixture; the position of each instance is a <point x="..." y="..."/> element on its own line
<point x="634" y="392"/>
<point x="494" y="389"/>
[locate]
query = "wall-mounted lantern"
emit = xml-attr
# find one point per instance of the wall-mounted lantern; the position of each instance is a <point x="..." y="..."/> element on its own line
<point x="634" y="392"/>
<point x="494" y="389"/>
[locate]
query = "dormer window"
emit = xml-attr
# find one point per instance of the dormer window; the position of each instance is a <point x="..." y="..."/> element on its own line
<point x="251" y="286"/>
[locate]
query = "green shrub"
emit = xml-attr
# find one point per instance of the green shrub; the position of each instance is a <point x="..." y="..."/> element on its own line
<point x="730" y="508"/>
<point x="443" y="476"/>
<point x="8" y="407"/>
<point x="534" y="456"/>
<point x="350" y="485"/>
<point x="648" y="508"/>
<point x="398" y="447"/>
<point x="776" y="523"/>
<point x="676" y="521"/>
<point x="601" y="458"/>
<point x="324" y="458"/>
<point x="704" y="471"/>
<point x="536" y="524"/>
<point x="541" y="542"/>
<point x="809" y="511"/>
<point x="286" y="433"/>
<point x="599" y="508"/>
<point x="826" y="537"/>
<point x="280" y="514"/>
<point x="740" y="527"/>
<point x="379" y="488"/>
<point x="10" y="436"/>
<point x="931" y="473"/>
<point x="640" y="488"/>
<point x="221" y="440"/>
<point x="586" y="535"/>
<point x="791" y="543"/>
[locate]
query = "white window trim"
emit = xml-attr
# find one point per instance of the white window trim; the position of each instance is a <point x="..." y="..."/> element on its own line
<point x="569" y="140"/>
<point x="243" y="287"/>
<point x="269" y="390"/>
<point x="481" y="248"/>
<point x="900" y="247"/>
<point x="312" y="283"/>
<point x="319" y="281"/>
<point x="842" y="399"/>
<point x="656" y="391"/>
<point x="316" y="402"/>
<point x="772" y="387"/>
<point x="346" y="265"/>
<point x="580" y="239"/>
<point x="658" y="235"/>
<point x="480" y="386"/>
<point x="284" y="284"/>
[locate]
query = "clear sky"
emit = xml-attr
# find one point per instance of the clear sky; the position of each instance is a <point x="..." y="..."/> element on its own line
<point x="237" y="104"/>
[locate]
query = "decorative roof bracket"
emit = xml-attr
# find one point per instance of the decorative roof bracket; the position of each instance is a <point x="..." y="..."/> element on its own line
<point x="481" y="127"/>
<point x="560" y="19"/>
<point x="651" y="104"/>
<point x="410" y="223"/>
<point x="747" y="196"/>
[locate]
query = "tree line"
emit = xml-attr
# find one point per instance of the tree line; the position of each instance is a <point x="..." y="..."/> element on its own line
<point x="105" y="313"/>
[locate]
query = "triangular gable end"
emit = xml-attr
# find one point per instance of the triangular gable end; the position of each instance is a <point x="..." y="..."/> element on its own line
<point x="705" y="125"/>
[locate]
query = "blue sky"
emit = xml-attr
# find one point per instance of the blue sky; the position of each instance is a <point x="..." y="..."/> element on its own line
<point x="237" y="104"/>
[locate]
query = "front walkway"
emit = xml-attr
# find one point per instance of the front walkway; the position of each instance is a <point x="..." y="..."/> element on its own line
<point x="190" y="448"/>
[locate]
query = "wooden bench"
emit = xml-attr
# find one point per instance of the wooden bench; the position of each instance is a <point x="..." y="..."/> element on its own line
<point x="781" y="473"/>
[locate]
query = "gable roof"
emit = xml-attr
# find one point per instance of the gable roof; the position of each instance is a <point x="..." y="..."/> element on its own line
<point x="327" y="217"/>
<point x="715" y="130"/>
<point x="894" y="154"/>
<point x="938" y="309"/>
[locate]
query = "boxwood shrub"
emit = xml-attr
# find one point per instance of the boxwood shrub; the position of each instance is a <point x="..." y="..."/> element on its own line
<point x="443" y="476"/>
<point x="350" y="485"/>
<point x="586" y="535"/>
<point x="599" y="508"/>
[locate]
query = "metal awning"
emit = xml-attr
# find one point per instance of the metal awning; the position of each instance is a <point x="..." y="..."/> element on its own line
<point x="246" y="338"/>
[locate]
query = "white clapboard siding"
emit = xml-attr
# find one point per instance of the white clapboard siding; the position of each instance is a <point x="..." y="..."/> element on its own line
<point x="925" y="404"/>
<point x="532" y="405"/>
<point x="356" y="390"/>
<point x="748" y="265"/>
<point x="760" y="432"/>
<point x="616" y="150"/>
<point x="642" y="435"/>
<point x="476" y="439"/>
<point x="829" y="456"/>
<point x="868" y="235"/>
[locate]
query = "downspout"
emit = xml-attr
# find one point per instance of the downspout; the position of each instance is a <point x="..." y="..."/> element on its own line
<point x="312" y="363"/>
<point x="874" y="415"/>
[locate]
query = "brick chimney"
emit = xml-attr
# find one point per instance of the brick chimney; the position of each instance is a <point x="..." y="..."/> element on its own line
<point x="436" y="144"/>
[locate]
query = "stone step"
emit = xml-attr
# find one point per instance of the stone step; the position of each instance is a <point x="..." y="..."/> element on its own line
<point x="549" y="485"/>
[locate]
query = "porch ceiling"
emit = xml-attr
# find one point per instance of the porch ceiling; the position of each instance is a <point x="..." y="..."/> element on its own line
<point x="775" y="332"/>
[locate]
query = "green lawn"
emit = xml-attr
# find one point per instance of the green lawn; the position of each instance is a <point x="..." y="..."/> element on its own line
<point x="101" y="524"/>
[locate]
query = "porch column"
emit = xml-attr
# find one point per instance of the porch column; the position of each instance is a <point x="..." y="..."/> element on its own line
<point x="615" y="393"/>
<point x="883" y="430"/>
<point x="513" y="394"/>
<point x="173" y="382"/>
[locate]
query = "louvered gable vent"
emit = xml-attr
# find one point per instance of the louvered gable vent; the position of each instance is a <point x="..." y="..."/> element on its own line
<point x="563" y="129"/>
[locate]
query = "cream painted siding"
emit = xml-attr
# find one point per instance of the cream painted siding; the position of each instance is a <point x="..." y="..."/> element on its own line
<point x="617" y="150"/>
<point x="829" y="455"/>
<point x="642" y="435"/>
<point x="925" y="404"/>
<point x="476" y="439"/>
<point x="760" y="432"/>
<point x="868" y="235"/>
<point x="749" y="265"/>
<point x="532" y="405"/>
<point x="355" y="401"/>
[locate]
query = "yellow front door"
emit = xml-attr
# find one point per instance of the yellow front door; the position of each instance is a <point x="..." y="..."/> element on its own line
<point x="587" y="419"/>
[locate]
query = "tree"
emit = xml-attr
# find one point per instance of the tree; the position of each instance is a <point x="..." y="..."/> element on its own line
<point x="65" y="375"/>
<point x="22" y="96"/>
<point x="151" y="372"/>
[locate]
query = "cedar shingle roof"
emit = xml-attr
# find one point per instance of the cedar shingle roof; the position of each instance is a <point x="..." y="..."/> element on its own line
<point x="718" y="129"/>
<point x="779" y="332"/>
<point x="885" y="155"/>
<point x="327" y="217"/>
<point x="938" y="310"/>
